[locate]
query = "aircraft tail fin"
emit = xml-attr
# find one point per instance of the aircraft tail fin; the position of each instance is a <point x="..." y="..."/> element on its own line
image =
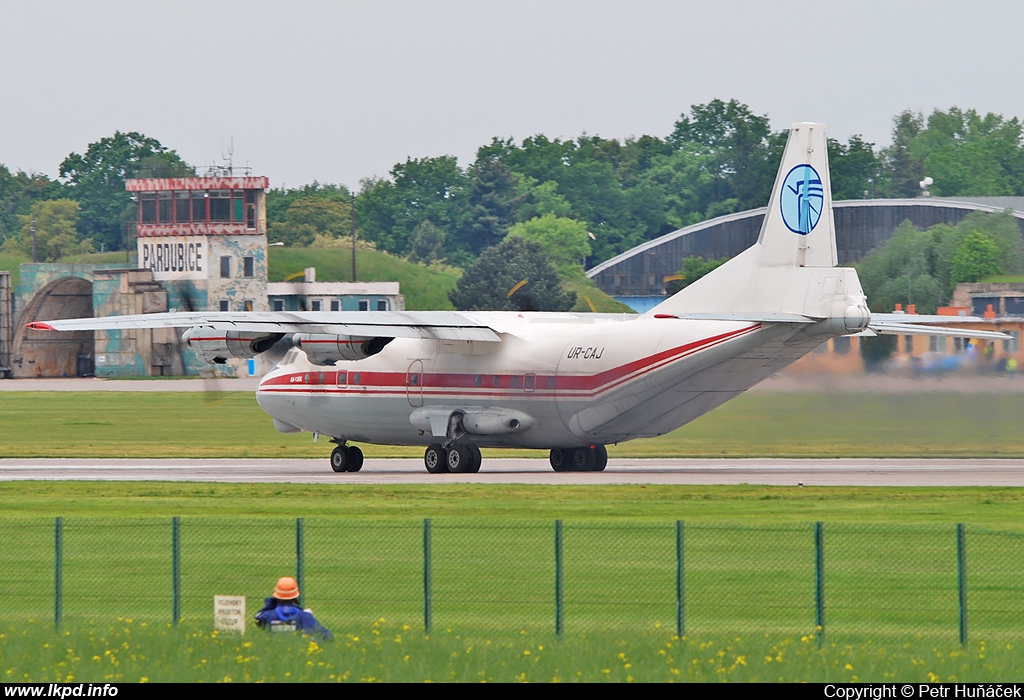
<point x="791" y="268"/>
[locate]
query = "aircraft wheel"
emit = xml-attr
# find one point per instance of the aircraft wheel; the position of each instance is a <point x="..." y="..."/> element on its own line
<point x="435" y="459"/>
<point x="476" y="459"/>
<point x="600" y="458"/>
<point x="459" y="459"/>
<point x="355" y="459"/>
<point x="340" y="458"/>
<point x="559" y="460"/>
<point x="582" y="459"/>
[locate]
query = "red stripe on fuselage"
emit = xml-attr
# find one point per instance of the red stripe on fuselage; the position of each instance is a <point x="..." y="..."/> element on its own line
<point x="435" y="384"/>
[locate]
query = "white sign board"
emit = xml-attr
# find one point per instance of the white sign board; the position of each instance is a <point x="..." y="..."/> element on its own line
<point x="229" y="613"/>
<point x="175" y="257"/>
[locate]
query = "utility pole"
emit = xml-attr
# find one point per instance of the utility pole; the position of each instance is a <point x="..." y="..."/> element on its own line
<point x="352" y="226"/>
<point x="32" y="228"/>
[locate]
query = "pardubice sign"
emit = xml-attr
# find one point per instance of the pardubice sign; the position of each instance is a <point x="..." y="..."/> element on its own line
<point x="175" y="257"/>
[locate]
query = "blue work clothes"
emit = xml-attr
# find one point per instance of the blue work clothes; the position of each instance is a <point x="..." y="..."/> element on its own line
<point x="284" y="616"/>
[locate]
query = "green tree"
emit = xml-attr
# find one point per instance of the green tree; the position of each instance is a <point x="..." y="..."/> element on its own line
<point x="917" y="267"/>
<point x="426" y="242"/>
<point x="18" y="192"/>
<point x="905" y="168"/>
<point x="309" y="217"/>
<point x="96" y="180"/>
<point x="437" y="189"/>
<point x="540" y="198"/>
<point x="493" y="199"/>
<point x="746" y="152"/>
<point x="55" y="232"/>
<point x="855" y="169"/>
<point x="280" y="198"/>
<point x="565" y="242"/>
<point x="903" y="271"/>
<point x="488" y="283"/>
<point x="976" y="258"/>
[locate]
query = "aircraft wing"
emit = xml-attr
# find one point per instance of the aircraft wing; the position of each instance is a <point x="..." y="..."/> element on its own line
<point x="439" y="325"/>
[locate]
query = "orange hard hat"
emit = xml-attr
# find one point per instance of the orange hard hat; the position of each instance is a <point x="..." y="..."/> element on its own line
<point x="286" y="589"/>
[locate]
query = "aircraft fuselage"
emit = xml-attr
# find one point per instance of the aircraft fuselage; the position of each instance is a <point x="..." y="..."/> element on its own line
<point x="553" y="381"/>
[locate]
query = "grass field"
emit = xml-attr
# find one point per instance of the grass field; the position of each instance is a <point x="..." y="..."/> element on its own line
<point x="131" y="651"/>
<point x="231" y="424"/>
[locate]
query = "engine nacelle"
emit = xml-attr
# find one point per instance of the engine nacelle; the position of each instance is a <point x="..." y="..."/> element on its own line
<point x="322" y="349"/>
<point x="216" y="346"/>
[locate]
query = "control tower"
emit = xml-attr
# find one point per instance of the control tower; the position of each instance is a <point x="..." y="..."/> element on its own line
<point x="205" y="238"/>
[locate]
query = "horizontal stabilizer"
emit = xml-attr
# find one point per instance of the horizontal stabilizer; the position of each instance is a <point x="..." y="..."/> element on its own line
<point x="883" y="328"/>
<point x="925" y="318"/>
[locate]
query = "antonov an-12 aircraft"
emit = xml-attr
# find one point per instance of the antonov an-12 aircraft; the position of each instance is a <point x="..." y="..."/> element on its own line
<point x="569" y="383"/>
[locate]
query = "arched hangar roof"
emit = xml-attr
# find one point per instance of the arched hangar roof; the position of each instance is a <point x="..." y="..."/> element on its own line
<point x="861" y="226"/>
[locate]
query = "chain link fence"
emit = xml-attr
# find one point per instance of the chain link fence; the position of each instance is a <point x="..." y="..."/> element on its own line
<point x="866" y="581"/>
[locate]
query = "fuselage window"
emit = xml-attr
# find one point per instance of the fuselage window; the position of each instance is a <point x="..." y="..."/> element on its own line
<point x="479" y="380"/>
<point x="342" y="378"/>
<point x="496" y="381"/>
<point x="322" y="379"/>
<point x="414" y="379"/>
<point x="551" y="382"/>
<point x="529" y="382"/>
<point x="514" y="382"/>
<point x="355" y="378"/>
<point x="306" y="378"/>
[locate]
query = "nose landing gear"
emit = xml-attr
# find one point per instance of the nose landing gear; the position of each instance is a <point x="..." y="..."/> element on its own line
<point x="346" y="458"/>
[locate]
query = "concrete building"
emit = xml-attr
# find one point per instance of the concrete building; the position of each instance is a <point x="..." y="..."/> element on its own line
<point x="310" y="295"/>
<point x="55" y="291"/>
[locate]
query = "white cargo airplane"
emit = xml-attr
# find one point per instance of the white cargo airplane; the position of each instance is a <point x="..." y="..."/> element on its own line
<point x="569" y="383"/>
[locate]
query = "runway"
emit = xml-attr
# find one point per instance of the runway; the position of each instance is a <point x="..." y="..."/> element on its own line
<point x="789" y="472"/>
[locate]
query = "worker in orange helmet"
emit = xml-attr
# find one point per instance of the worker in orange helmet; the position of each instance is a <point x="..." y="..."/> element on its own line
<point x="281" y="612"/>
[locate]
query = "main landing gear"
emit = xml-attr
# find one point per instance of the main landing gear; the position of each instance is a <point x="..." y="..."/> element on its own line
<point x="458" y="455"/>
<point x="592" y="458"/>
<point x="346" y="458"/>
<point x="457" y="458"/>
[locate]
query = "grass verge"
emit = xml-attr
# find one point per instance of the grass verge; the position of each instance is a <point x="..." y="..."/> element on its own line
<point x="129" y="651"/>
<point x="760" y="424"/>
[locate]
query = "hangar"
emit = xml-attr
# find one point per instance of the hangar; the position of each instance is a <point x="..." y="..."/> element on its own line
<point x="637" y="277"/>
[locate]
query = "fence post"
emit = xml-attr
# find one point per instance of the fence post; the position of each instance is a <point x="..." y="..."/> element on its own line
<point x="427" y="612"/>
<point x="680" y="582"/>
<point x="58" y="571"/>
<point x="300" y="560"/>
<point x="819" y="578"/>
<point x="176" y="569"/>
<point x="961" y="575"/>
<point x="558" y="577"/>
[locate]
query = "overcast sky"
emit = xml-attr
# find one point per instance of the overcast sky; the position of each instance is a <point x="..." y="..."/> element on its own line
<point x="339" y="91"/>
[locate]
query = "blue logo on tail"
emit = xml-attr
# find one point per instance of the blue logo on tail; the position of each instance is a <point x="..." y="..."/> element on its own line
<point x="802" y="199"/>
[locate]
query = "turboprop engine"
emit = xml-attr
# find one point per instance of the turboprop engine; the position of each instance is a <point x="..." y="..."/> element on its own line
<point x="216" y="346"/>
<point x="322" y="349"/>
